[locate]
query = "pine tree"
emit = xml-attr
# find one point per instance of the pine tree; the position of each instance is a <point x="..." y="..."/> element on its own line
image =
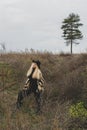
<point x="71" y="32"/>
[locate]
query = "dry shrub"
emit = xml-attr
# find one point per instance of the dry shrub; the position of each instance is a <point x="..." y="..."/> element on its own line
<point x="72" y="86"/>
<point x="65" y="83"/>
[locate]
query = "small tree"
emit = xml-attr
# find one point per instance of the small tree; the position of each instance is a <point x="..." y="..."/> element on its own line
<point x="70" y="28"/>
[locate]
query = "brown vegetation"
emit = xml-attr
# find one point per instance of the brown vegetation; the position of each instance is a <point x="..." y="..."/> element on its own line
<point x="65" y="84"/>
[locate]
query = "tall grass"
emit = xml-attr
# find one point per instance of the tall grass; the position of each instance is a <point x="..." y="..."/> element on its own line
<point x="65" y="85"/>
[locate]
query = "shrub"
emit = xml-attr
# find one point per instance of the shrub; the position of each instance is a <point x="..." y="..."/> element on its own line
<point x="78" y="116"/>
<point x="78" y="110"/>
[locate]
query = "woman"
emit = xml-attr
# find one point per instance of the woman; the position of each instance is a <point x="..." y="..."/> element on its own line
<point x="34" y="74"/>
<point x="34" y="84"/>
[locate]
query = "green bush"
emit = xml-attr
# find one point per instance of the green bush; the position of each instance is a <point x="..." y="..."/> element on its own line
<point x="78" y="117"/>
<point x="78" y="110"/>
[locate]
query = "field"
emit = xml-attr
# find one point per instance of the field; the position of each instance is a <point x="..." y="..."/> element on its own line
<point x="64" y="99"/>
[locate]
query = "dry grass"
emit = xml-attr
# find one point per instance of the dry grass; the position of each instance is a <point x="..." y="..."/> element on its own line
<point x="65" y="83"/>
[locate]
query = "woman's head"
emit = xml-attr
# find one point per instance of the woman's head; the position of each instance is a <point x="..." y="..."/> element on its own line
<point x="36" y="63"/>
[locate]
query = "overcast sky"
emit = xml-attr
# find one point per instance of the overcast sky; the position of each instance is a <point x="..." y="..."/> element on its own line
<point x="37" y="24"/>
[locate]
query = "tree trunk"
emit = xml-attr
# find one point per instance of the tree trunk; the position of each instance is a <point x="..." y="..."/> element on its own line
<point x="71" y="46"/>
